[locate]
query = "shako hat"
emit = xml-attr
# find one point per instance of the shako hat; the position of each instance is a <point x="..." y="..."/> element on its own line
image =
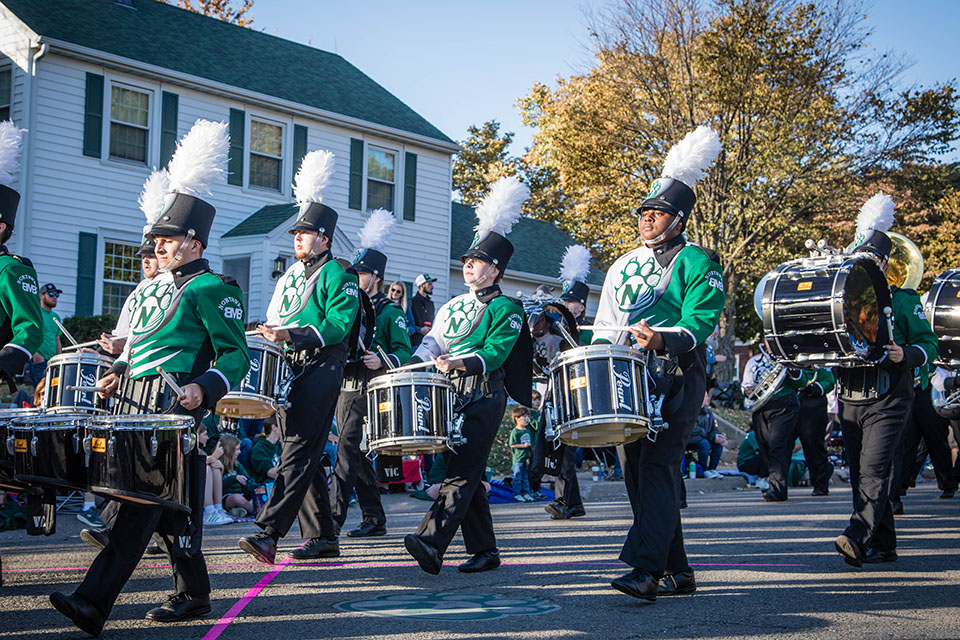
<point x="373" y="239"/>
<point x="199" y="159"/>
<point x="496" y="215"/>
<point x="308" y="186"/>
<point x="686" y="163"/>
<point x="874" y="220"/>
<point x="11" y="138"/>
<point x="574" y="270"/>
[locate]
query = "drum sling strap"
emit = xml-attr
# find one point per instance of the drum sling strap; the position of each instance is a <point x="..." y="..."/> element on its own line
<point x="862" y="385"/>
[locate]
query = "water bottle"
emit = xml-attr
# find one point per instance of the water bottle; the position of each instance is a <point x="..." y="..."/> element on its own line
<point x="692" y="472"/>
<point x="596" y="473"/>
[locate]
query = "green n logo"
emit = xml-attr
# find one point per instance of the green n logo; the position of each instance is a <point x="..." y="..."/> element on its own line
<point x="145" y="314"/>
<point x="629" y="294"/>
<point x="453" y="327"/>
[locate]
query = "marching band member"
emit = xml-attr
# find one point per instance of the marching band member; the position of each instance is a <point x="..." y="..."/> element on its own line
<point x="313" y="311"/>
<point x="875" y="402"/>
<point x="190" y="322"/>
<point x="353" y="469"/>
<point x="479" y="338"/>
<point x="670" y="282"/>
<point x="21" y="324"/>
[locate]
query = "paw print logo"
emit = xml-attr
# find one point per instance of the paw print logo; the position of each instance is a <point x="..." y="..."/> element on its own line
<point x="637" y="284"/>
<point x="294" y="284"/>
<point x="460" y="317"/>
<point x="154" y="301"/>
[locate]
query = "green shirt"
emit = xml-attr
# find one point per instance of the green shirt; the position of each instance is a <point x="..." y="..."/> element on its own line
<point x="21" y="323"/>
<point x="264" y="456"/>
<point x="230" y="483"/>
<point x="519" y="436"/>
<point x="48" y="348"/>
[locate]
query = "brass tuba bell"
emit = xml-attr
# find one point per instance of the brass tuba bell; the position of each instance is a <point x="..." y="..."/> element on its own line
<point x="905" y="264"/>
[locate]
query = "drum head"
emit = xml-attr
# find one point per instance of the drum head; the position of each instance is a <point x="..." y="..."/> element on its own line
<point x="246" y="405"/>
<point x="865" y="294"/>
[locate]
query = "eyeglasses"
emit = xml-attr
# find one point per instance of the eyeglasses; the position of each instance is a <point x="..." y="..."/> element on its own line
<point x="396" y="290"/>
<point x="53" y="295"/>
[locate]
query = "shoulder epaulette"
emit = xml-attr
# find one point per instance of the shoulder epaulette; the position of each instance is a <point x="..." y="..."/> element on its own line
<point x="710" y="253"/>
<point x="21" y="259"/>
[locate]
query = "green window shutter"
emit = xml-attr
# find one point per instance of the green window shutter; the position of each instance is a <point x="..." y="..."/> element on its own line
<point x="410" y="186"/>
<point x="299" y="146"/>
<point x="93" y="116"/>
<point x="238" y="119"/>
<point x="86" y="273"/>
<point x="355" y="200"/>
<point x="169" y="108"/>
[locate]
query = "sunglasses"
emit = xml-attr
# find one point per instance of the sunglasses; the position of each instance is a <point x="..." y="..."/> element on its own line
<point x="396" y="290"/>
<point x="52" y="295"/>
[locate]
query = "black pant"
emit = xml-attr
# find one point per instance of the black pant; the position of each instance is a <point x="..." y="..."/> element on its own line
<point x="926" y="424"/>
<point x="812" y="423"/>
<point x="651" y="471"/>
<point x="776" y="427"/>
<point x="462" y="502"/>
<point x="567" y="487"/>
<point x="353" y="469"/>
<point x="301" y="484"/>
<point x="871" y="433"/>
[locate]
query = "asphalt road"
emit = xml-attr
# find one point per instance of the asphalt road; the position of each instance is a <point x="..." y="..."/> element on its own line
<point x="762" y="569"/>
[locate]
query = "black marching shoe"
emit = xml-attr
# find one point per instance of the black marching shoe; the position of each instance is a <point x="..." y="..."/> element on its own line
<point x="820" y="492"/>
<point x="180" y="606"/>
<point x="153" y="549"/>
<point x="261" y="546"/>
<point x="317" y="548"/>
<point x="560" y="511"/>
<point x="769" y="496"/>
<point x="96" y="538"/>
<point x="426" y="555"/>
<point x="484" y="561"/>
<point x="82" y="613"/>
<point x="849" y="549"/>
<point x="946" y="494"/>
<point x="638" y="584"/>
<point x="676" y="584"/>
<point x="368" y="528"/>
<point x="875" y="556"/>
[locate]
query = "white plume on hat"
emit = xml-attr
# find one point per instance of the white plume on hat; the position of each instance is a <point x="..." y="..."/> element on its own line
<point x="313" y="177"/>
<point x="689" y="159"/>
<point x="156" y="187"/>
<point x="500" y="209"/>
<point x="376" y="230"/>
<point x="200" y="158"/>
<point x="575" y="266"/>
<point x="11" y="137"/>
<point x="877" y="214"/>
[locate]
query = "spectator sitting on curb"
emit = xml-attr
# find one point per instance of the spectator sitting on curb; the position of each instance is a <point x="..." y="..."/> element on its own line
<point x="265" y="455"/>
<point x="237" y="484"/>
<point x="706" y="440"/>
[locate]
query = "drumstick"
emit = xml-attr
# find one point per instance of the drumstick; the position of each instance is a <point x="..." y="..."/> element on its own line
<point x="170" y="381"/>
<point x="423" y="365"/>
<point x="64" y="330"/>
<point x="888" y="312"/>
<point x="385" y="358"/>
<point x="82" y="389"/>
<point x="84" y="344"/>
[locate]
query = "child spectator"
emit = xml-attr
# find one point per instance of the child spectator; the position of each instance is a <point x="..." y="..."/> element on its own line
<point x="213" y="513"/>
<point x="520" y="451"/>
<point x="237" y="484"/>
<point x="265" y="454"/>
<point x="706" y="440"/>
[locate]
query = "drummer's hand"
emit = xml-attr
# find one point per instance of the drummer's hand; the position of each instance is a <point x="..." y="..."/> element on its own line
<point x="272" y="334"/>
<point x="192" y="396"/>
<point x="109" y="383"/>
<point x="894" y="352"/>
<point x="445" y="364"/>
<point x="646" y="337"/>
<point x="372" y="361"/>
<point x="111" y="345"/>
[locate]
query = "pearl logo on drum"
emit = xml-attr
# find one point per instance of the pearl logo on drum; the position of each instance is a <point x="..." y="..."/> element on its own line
<point x="622" y="383"/>
<point x="424" y="407"/>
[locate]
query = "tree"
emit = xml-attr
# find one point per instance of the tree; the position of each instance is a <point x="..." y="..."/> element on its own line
<point x="801" y="108"/>
<point x="482" y="160"/>
<point x="219" y="9"/>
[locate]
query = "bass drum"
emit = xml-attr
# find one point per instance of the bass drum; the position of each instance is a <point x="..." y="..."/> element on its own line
<point x="7" y="446"/>
<point x="943" y="313"/>
<point x="822" y="312"/>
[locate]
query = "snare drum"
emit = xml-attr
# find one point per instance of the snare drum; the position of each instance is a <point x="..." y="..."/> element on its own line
<point x="256" y="396"/>
<point x="68" y="370"/>
<point x="140" y="458"/>
<point x="827" y="311"/>
<point x="7" y="445"/>
<point x="943" y="312"/>
<point x="48" y="450"/>
<point x="409" y="413"/>
<point x="600" y="395"/>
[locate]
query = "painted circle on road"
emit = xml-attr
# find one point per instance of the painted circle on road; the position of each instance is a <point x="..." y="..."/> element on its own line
<point x="448" y="606"/>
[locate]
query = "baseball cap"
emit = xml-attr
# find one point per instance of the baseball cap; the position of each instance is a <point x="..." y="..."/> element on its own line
<point x="50" y="288"/>
<point x="423" y="278"/>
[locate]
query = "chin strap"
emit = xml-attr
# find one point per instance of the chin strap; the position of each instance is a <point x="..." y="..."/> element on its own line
<point x="178" y="256"/>
<point x="660" y="238"/>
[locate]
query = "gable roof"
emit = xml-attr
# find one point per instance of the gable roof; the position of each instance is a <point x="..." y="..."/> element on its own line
<point x="166" y="36"/>
<point x="267" y="218"/>
<point x="538" y="245"/>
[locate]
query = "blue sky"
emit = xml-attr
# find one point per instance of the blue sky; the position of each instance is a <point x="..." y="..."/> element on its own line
<point x="462" y="63"/>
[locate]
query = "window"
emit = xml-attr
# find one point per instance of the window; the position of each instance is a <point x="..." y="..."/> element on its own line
<point x="266" y="153"/>
<point x="381" y="178"/>
<point x="5" y="77"/>
<point x="129" y="124"/>
<point x="239" y="270"/>
<point x="121" y="273"/>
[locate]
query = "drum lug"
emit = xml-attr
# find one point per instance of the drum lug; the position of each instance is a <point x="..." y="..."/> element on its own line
<point x="76" y="442"/>
<point x="112" y="446"/>
<point x="33" y="445"/>
<point x="363" y="440"/>
<point x="88" y="445"/>
<point x="10" y="440"/>
<point x="153" y="445"/>
<point x="188" y="441"/>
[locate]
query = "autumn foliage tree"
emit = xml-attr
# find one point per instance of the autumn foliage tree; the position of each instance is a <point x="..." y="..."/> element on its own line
<point x="219" y="9"/>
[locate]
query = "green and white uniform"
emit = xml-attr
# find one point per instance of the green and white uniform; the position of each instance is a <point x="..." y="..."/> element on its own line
<point x="122" y="328"/>
<point x="189" y="322"/>
<point x="21" y="323"/>
<point x="391" y="331"/>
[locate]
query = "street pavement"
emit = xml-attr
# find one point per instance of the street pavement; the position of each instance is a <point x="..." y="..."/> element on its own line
<point x="763" y="570"/>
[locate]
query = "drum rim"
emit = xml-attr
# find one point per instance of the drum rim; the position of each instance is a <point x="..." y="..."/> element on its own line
<point x="591" y="351"/>
<point x="48" y="421"/>
<point x="140" y="422"/>
<point x="272" y="346"/>
<point x="416" y="378"/>
<point x="79" y="356"/>
<point x="607" y="418"/>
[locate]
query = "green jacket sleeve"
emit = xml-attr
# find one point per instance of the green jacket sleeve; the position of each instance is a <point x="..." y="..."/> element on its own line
<point x="392" y="335"/>
<point x="703" y="300"/>
<point x="506" y="321"/>
<point x="338" y="295"/>
<point x="220" y="307"/>
<point x="20" y="313"/>
<point x="912" y="330"/>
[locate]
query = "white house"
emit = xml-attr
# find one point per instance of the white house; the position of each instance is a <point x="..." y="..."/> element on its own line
<point x="106" y="87"/>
